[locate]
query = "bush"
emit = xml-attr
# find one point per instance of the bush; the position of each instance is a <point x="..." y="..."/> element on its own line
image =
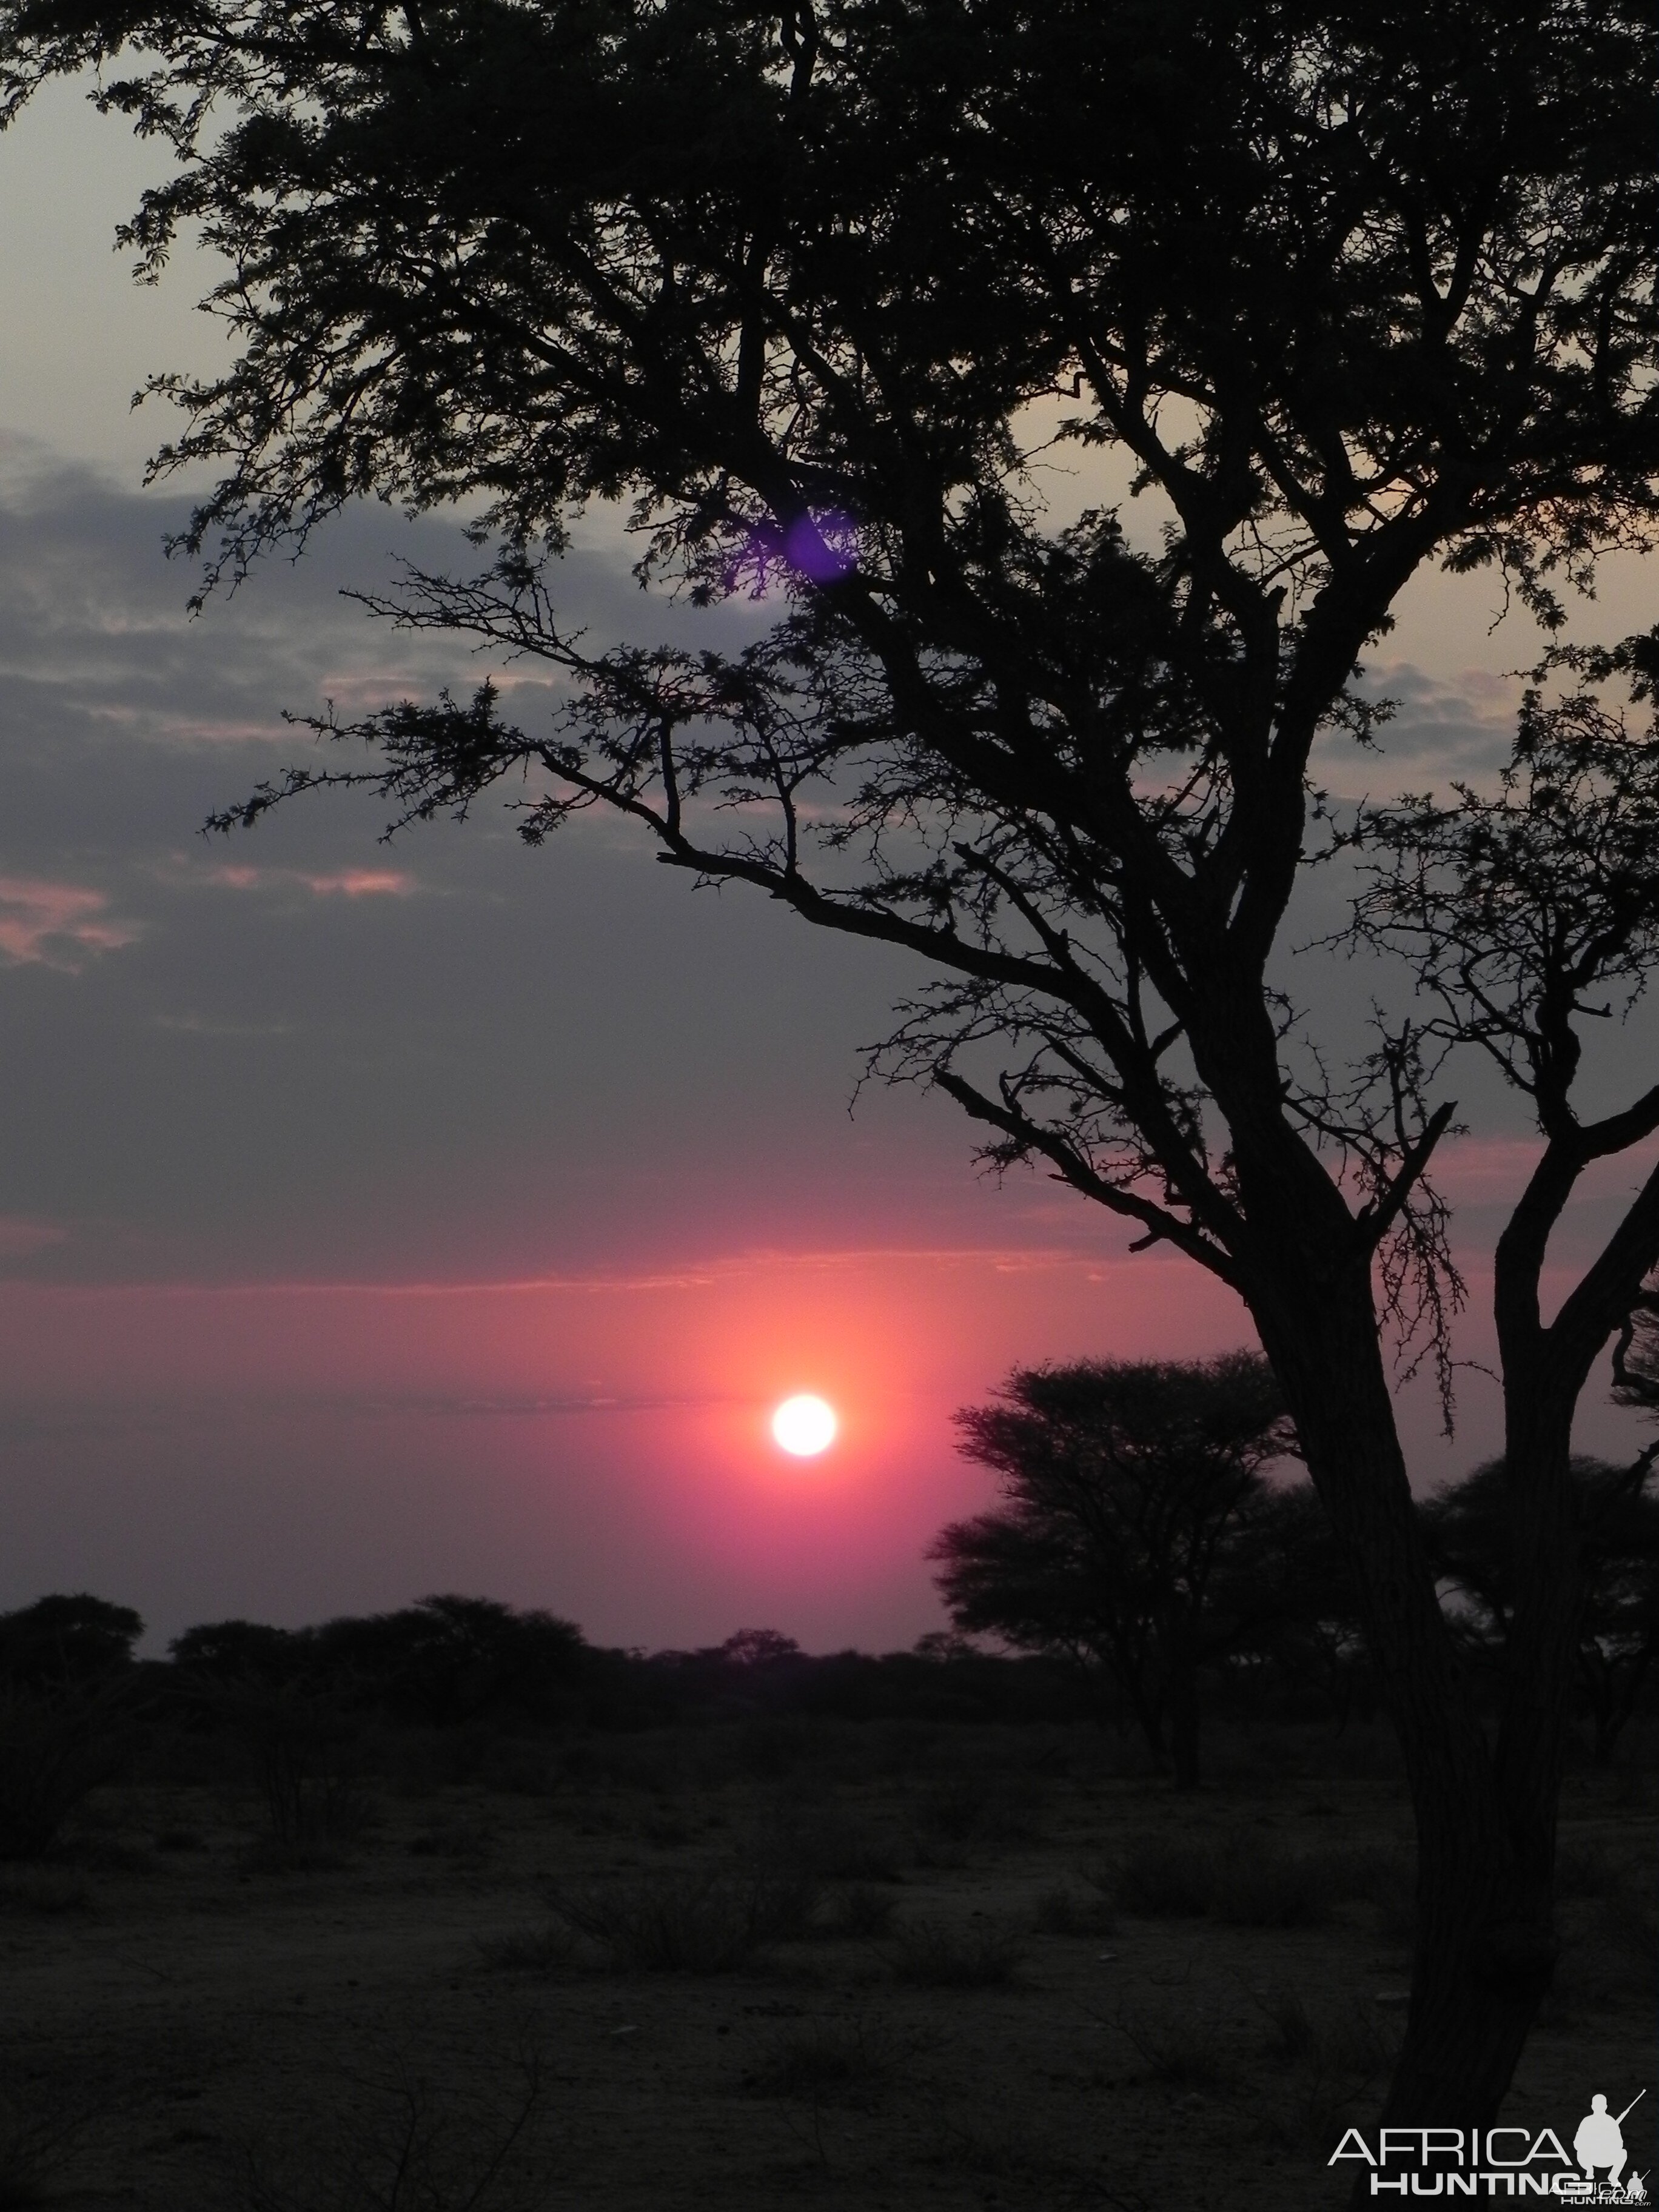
<point x="1249" y="1880"/>
<point x="984" y="1954"/>
<point x="1584" y="1869"/>
<point x="1258" y="1885"/>
<point x="962" y="1809"/>
<point x="828" y="2063"/>
<point x="542" y="1950"/>
<point x="836" y="1847"/>
<point x="707" y="1923"/>
<point x="1166" y="1878"/>
<point x="1066" y="1912"/>
<point x="857" y="1912"/>
<point x="45" y="1895"/>
<point x="401" y="2139"/>
<point x="58" y="1639"/>
<point x="1180" y="2053"/>
<point x="464" y="1842"/>
<point x="306" y="1751"/>
<point x="56" y="1746"/>
<point x="1291" y="2034"/>
<point x="1332" y="2060"/>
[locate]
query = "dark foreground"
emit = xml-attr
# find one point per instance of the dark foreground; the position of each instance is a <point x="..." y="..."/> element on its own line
<point x="886" y="1968"/>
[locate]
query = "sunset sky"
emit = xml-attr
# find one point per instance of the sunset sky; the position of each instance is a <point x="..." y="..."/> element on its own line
<point x="379" y="1220"/>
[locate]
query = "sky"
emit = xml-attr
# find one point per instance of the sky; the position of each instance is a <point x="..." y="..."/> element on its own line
<point x="377" y="1219"/>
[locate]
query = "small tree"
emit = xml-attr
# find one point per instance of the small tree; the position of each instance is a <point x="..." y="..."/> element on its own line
<point x="449" y="1658"/>
<point x="759" y="1647"/>
<point x="67" y="1639"/>
<point x="241" y="1650"/>
<point x="1132" y="1491"/>
<point x="65" y="1681"/>
<point x="1471" y="1542"/>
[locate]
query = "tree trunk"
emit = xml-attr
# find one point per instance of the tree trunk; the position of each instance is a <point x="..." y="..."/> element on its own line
<point x="1149" y="1708"/>
<point x="1181" y="1703"/>
<point x="1485" y="1947"/>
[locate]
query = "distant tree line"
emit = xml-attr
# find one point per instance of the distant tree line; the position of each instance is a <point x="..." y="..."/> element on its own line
<point x="456" y="1661"/>
<point x="1149" y="1559"/>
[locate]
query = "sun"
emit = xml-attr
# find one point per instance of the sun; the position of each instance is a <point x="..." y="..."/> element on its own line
<point x="804" y="1426"/>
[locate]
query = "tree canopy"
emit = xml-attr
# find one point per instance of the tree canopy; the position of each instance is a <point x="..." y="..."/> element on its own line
<point x="1136" y="1532"/>
<point x="1471" y="1541"/>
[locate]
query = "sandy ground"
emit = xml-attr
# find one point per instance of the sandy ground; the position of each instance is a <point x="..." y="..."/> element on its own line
<point x="196" y="2022"/>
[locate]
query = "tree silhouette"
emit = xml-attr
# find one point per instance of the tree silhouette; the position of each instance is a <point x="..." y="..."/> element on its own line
<point x="67" y="1639"/>
<point x="1349" y="291"/>
<point x="1129" y="1537"/>
<point x="1471" y="1541"/>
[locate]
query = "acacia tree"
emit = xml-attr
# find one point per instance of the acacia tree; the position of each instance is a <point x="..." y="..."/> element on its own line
<point x="1131" y="1490"/>
<point x="1470" y="1538"/>
<point x="1351" y="291"/>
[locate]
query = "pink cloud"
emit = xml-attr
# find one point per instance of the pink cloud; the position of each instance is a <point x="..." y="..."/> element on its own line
<point x="56" y="923"/>
<point x="344" y="883"/>
<point x="362" y="883"/>
<point x="19" y="1238"/>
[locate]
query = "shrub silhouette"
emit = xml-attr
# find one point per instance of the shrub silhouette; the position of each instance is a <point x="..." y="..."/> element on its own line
<point x="240" y="1650"/>
<point x="65" y="1699"/>
<point x="60" y="1639"/>
<point x="449" y="1659"/>
<point x="304" y="1747"/>
<point x="56" y="1746"/>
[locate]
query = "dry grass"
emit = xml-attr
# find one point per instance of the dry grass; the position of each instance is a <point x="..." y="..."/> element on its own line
<point x="546" y="1949"/>
<point x="708" y="1922"/>
<point x="857" y="1913"/>
<point x="1252" y="1880"/>
<point x="404" y="2143"/>
<point x="1067" y="1911"/>
<point x="982" y="1953"/>
<point x="850" y="2063"/>
<point x="1179" y="2051"/>
<point x="759" y="2016"/>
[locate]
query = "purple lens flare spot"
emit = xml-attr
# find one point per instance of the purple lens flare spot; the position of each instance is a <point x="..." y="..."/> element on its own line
<point x="823" y="547"/>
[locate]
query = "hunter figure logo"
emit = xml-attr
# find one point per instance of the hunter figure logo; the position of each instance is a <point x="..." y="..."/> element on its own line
<point x="1507" y="2161"/>
<point x="1599" y="2140"/>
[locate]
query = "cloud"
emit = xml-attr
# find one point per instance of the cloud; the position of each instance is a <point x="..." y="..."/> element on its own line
<point x="56" y="924"/>
<point x="21" y="1238"/>
<point x="1441" y="727"/>
<point x="334" y="882"/>
<point x="361" y="883"/>
<point x="205" y="1025"/>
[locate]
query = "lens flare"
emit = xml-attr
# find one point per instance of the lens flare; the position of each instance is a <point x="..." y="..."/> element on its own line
<point x="803" y="1426"/>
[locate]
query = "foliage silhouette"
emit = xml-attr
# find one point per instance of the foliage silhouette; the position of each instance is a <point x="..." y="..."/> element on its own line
<point x="1618" y="1628"/>
<point x="444" y="1660"/>
<point x="59" y="1640"/>
<point x="66" y="1704"/>
<point x="1137" y="1532"/>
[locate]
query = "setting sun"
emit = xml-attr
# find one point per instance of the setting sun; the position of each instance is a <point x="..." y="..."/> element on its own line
<point x="803" y="1426"/>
